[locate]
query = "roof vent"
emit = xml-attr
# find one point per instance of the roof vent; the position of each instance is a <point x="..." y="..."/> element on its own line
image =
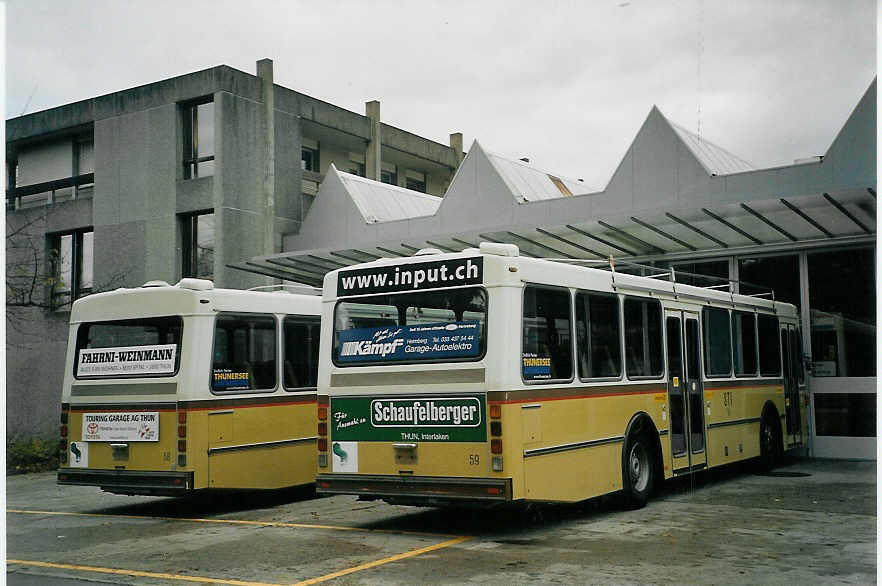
<point x="427" y="252"/>
<point x="155" y="284"/>
<point x="499" y="249"/>
<point x="195" y="284"/>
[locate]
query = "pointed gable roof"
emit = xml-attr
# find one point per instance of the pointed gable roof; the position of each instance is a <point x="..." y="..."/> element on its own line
<point x="527" y="183"/>
<point x="381" y="202"/>
<point x="715" y="159"/>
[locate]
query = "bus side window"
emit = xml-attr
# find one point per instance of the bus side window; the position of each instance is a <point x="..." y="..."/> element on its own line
<point x="546" y="352"/>
<point x="244" y="353"/>
<point x="643" y="337"/>
<point x="301" y="351"/>
<point x="769" y="346"/>
<point x="597" y="335"/>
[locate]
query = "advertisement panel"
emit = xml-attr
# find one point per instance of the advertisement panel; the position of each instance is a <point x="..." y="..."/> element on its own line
<point x="423" y="341"/>
<point x="127" y="360"/>
<point x="425" y="419"/>
<point x="122" y="427"/>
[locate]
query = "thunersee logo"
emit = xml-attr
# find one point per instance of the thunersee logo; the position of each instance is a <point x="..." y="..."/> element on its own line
<point x="410" y="277"/>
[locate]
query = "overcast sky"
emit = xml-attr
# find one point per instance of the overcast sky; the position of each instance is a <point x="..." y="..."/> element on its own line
<point x="567" y="84"/>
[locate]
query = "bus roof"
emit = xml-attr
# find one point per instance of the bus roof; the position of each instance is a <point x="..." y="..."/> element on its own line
<point x="188" y="297"/>
<point x="561" y="272"/>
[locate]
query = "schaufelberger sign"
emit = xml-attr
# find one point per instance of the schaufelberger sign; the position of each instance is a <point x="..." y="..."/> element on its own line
<point x="411" y="276"/>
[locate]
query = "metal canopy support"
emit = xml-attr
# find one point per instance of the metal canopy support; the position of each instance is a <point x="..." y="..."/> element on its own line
<point x="464" y="243"/>
<point x="441" y="246"/>
<point x="846" y="213"/>
<point x="697" y="230"/>
<point x="524" y="252"/>
<point x="602" y="241"/>
<point x="269" y="272"/>
<point x="569" y="243"/>
<point x="337" y="265"/>
<point x="633" y="238"/>
<point x="806" y="217"/>
<point x="872" y="192"/>
<point x="386" y="250"/>
<point x="663" y="233"/>
<point x="409" y="247"/>
<point x="768" y="222"/>
<point x="299" y="262"/>
<point x="540" y="245"/>
<point x="288" y="265"/>
<point x="349" y="258"/>
<point x="732" y="226"/>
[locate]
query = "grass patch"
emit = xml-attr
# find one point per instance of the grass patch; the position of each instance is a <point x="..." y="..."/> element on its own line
<point x="31" y="454"/>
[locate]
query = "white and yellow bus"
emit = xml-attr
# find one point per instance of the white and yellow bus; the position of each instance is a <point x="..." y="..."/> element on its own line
<point x="170" y="389"/>
<point x="485" y="375"/>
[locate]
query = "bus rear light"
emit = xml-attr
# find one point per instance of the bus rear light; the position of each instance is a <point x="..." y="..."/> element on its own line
<point x="323" y="428"/>
<point x="496" y="446"/>
<point x="494" y="490"/>
<point x="323" y="413"/>
<point x="63" y="431"/>
<point x="496" y="428"/>
<point x="323" y="484"/>
<point x="182" y="461"/>
<point x="323" y="444"/>
<point x="495" y="411"/>
<point x="182" y="445"/>
<point x="182" y="417"/>
<point x="323" y="460"/>
<point x="182" y="431"/>
<point x="496" y="463"/>
<point x="64" y="416"/>
<point x="62" y="445"/>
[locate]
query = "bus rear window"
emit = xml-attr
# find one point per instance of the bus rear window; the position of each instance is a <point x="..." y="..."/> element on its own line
<point x="129" y="348"/>
<point x="430" y="326"/>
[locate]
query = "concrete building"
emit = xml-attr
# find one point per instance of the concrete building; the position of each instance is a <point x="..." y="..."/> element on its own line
<point x="805" y="231"/>
<point x="175" y="178"/>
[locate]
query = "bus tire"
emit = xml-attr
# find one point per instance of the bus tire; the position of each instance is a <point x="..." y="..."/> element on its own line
<point x="638" y="470"/>
<point x="770" y="442"/>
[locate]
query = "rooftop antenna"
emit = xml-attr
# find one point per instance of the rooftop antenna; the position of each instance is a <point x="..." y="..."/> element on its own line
<point x="700" y="51"/>
<point x="28" y="102"/>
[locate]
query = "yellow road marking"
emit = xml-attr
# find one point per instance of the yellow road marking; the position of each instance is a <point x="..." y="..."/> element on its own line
<point x="234" y="522"/>
<point x="394" y="558"/>
<point x="138" y="573"/>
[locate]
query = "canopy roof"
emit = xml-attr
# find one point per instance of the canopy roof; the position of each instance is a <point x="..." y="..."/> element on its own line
<point x="672" y="197"/>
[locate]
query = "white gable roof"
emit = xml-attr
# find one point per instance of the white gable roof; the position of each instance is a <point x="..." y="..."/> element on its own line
<point x="715" y="159"/>
<point x="381" y="202"/>
<point x="527" y="183"/>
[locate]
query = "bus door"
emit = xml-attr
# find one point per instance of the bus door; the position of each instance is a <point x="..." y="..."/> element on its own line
<point x="793" y="373"/>
<point x="685" y="393"/>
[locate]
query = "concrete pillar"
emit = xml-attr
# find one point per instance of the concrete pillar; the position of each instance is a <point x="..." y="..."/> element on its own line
<point x="456" y="145"/>
<point x="372" y="157"/>
<point x="265" y="73"/>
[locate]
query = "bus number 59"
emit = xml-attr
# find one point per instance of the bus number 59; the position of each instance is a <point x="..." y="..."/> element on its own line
<point x="474" y="459"/>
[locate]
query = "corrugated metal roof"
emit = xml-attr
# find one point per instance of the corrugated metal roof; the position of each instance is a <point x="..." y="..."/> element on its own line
<point x="715" y="159"/>
<point x="381" y="202"/>
<point x="531" y="184"/>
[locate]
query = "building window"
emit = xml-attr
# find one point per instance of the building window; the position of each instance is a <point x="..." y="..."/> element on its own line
<point x="198" y="245"/>
<point x="389" y="175"/>
<point x="415" y="181"/>
<point x="71" y="264"/>
<point x="356" y="168"/>
<point x="710" y="273"/>
<point x="309" y="159"/>
<point x="842" y="298"/>
<point x="198" y="133"/>
<point x="779" y="274"/>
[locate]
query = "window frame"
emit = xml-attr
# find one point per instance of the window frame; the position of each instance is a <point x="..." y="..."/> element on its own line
<point x="178" y="351"/>
<point x="479" y="357"/>
<point x="76" y="291"/>
<point x="705" y="339"/>
<point x="777" y="326"/>
<point x="662" y="339"/>
<point x="189" y="243"/>
<point x="190" y="138"/>
<point x="276" y="367"/>
<point x="314" y="320"/>
<point x="570" y="298"/>
<point x="755" y="373"/>
<point x="619" y="327"/>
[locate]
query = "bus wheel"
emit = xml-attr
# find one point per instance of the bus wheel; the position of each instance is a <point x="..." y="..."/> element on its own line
<point x="638" y="473"/>
<point x="769" y="444"/>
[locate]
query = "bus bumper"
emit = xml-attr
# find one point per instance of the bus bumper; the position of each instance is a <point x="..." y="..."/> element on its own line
<point x="130" y="481"/>
<point x="428" y="490"/>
